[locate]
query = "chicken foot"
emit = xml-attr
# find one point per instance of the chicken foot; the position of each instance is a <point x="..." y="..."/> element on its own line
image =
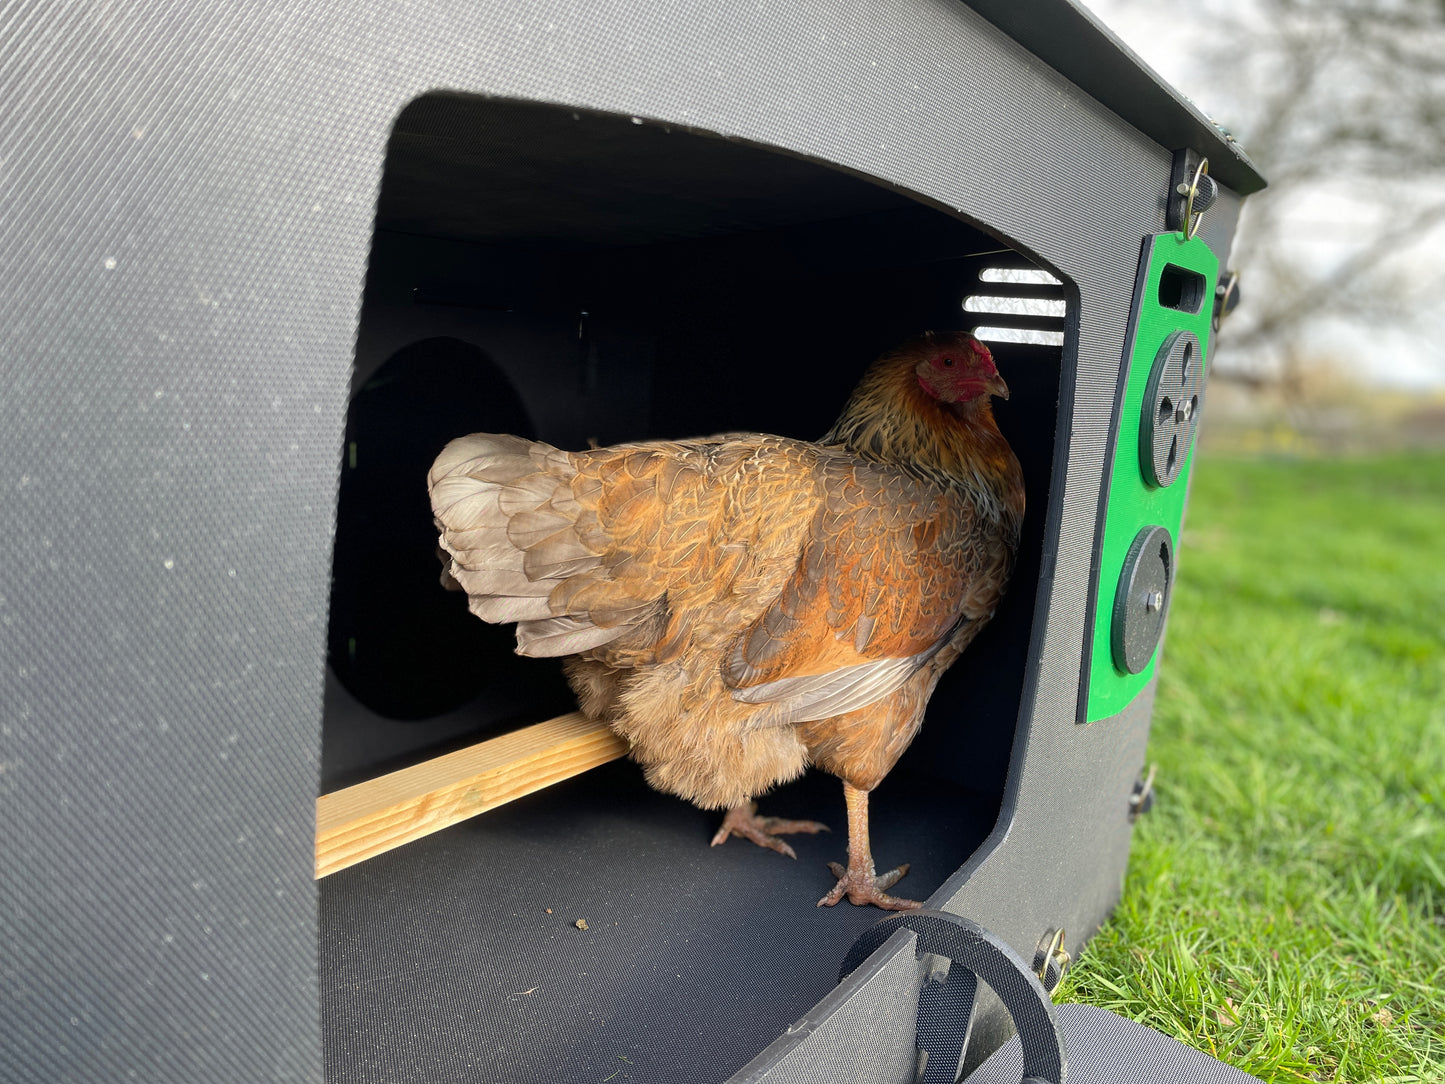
<point x="859" y="881"/>
<point x="743" y="821"/>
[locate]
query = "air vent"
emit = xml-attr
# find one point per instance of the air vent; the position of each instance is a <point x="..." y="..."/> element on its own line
<point x="1017" y="303"/>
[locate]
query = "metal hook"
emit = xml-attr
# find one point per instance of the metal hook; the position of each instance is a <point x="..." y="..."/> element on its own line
<point x="1190" y="220"/>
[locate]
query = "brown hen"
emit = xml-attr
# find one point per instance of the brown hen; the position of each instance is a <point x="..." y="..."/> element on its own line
<point x="739" y="607"/>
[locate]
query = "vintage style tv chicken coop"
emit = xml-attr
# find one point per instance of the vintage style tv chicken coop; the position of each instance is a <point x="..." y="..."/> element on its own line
<point x="263" y="260"/>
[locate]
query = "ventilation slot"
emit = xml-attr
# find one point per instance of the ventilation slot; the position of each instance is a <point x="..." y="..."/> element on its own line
<point x="1181" y="289"/>
<point x="1017" y="303"/>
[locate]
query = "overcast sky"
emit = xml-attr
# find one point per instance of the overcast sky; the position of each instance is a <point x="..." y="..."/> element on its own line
<point x="1161" y="33"/>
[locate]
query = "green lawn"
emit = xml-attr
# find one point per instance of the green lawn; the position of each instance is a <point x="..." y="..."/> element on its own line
<point x="1285" y="904"/>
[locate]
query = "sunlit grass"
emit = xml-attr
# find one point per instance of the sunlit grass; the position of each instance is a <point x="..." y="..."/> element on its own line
<point x="1285" y="905"/>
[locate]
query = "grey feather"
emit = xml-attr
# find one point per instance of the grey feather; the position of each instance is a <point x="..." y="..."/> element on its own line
<point x="821" y="696"/>
<point x="535" y="526"/>
<point x="556" y="551"/>
<point x="556" y="564"/>
<point x="503" y="582"/>
<point x="475" y="452"/>
<point x="526" y="494"/>
<point x="561" y="636"/>
<point x="508" y="519"/>
<point x="863" y="633"/>
<point x="478" y="550"/>
<point x="507" y="608"/>
<point x="463" y="502"/>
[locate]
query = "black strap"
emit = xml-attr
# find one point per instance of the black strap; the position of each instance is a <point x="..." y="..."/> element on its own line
<point x="945" y="1019"/>
<point x="945" y="1009"/>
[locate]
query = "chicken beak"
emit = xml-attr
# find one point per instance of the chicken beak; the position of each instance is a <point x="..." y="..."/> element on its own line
<point x="996" y="386"/>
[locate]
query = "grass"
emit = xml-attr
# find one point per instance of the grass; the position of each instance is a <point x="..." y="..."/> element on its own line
<point x="1285" y="903"/>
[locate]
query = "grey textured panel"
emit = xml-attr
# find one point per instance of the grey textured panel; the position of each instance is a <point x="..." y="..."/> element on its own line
<point x="854" y="1033"/>
<point x="1066" y="873"/>
<point x="1107" y="1049"/>
<point x="1071" y="39"/>
<point x="184" y="251"/>
<point x="1218" y="226"/>
<point x="188" y="194"/>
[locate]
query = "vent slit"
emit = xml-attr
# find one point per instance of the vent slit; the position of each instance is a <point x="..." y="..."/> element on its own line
<point x="1017" y="304"/>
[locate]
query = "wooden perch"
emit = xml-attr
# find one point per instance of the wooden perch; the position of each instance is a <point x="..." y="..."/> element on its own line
<point x="373" y="817"/>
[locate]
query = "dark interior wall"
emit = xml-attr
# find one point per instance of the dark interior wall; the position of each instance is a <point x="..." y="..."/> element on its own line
<point x="618" y="281"/>
<point x="601" y="280"/>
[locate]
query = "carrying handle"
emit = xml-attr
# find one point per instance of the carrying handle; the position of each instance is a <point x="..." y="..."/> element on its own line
<point x="971" y="946"/>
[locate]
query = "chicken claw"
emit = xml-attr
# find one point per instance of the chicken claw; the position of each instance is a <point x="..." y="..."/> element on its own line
<point x="743" y="821"/>
<point x="863" y="887"/>
<point x="859" y="880"/>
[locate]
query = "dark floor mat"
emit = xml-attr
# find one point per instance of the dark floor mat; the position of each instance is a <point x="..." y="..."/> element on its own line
<point x="440" y="961"/>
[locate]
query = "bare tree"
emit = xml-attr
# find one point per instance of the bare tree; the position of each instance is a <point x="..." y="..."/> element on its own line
<point x="1342" y="104"/>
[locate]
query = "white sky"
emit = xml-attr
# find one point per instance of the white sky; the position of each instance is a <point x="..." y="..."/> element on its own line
<point x="1160" y="32"/>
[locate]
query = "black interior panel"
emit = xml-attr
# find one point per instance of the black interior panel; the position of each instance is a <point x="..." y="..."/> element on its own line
<point x="601" y="280"/>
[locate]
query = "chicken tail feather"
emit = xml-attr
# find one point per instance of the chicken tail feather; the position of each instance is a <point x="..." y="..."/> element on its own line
<point x="509" y="537"/>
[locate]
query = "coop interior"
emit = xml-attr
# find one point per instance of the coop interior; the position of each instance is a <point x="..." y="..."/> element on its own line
<point x="578" y="277"/>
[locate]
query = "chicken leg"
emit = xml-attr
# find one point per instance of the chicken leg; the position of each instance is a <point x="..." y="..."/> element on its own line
<point x="860" y="882"/>
<point x="743" y="821"/>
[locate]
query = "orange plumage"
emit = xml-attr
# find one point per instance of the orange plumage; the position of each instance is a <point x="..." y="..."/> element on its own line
<point x="741" y="606"/>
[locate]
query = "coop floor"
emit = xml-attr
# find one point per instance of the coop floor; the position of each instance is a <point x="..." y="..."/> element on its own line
<point x="459" y="957"/>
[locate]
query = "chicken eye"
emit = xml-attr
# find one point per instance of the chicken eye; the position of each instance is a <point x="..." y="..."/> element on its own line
<point x="948" y="363"/>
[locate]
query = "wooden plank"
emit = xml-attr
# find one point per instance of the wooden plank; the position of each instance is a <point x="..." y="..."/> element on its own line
<point x="373" y="817"/>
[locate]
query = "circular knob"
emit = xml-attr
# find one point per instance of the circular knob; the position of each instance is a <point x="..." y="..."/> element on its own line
<point x="1171" y="408"/>
<point x="1142" y="601"/>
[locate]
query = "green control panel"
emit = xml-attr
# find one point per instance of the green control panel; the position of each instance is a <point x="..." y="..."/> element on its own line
<point x="1153" y="448"/>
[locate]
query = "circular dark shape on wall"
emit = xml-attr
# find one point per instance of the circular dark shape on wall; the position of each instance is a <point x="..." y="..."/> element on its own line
<point x="400" y="643"/>
<point x="1142" y="602"/>
<point x="1171" y="408"/>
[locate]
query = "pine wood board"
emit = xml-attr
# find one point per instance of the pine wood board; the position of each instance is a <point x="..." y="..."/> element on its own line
<point x="371" y="818"/>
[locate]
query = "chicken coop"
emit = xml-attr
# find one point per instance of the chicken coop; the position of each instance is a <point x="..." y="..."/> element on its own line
<point x="262" y="261"/>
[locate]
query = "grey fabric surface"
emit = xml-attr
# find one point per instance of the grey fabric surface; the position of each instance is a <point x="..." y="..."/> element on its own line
<point x="440" y="962"/>
<point x="1104" y="1048"/>
<point x="183" y="257"/>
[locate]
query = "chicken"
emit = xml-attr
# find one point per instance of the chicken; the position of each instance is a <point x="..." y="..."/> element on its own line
<point x="742" y="606"/>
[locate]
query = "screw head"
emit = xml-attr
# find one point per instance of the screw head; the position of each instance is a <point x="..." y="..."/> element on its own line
<point x="1154" y="601"/>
